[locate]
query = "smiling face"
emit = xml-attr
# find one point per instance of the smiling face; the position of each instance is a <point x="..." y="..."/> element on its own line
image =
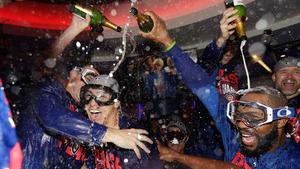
<point x="287" y="80"/>
<point x="98" y="112"/>
<point x="256" y="140"/>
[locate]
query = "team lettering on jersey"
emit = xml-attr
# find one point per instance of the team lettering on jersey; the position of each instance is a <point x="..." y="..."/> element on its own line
<point x="294" y="123"/>
<point x="106" y="160"/>
<point x="240" y="160"/>
<point x="227" y="84"/>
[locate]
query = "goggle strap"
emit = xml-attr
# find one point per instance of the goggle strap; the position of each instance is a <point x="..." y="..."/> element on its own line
<point x="84" y="72"/>
<point x="283" y="112"/>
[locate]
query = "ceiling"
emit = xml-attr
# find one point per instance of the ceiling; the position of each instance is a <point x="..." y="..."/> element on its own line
<point x="55" y="16"/>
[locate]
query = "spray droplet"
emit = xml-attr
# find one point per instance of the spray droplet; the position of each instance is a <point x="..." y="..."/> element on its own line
<point x="113" y="12"/>
<point x="100" y="38"/>
<point x="50" y="62"/>
<point x="78" y="44"/>
<point x="147" y="48"/>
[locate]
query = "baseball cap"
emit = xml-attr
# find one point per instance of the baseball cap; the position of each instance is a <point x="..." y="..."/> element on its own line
<point x="287" y="62"/>
<point x="179" y="125"/>
<point x="176" y="137"/>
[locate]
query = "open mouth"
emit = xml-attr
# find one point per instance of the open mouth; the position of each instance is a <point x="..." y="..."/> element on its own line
<point x="248" y="140"/>
<point x="289" y="84"/>
<point x="95" y="112"/>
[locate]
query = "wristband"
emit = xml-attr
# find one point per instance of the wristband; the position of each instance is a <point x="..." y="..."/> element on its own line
<point x="170" y="46"/>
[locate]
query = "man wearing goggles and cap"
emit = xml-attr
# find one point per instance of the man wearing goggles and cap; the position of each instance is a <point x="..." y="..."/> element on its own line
<point x="51" y="113"/>
<point x="175" y="138"/>
<point x="100" y="100"/>
<point x="261" y="139"/>
<point x="286" y="78"/>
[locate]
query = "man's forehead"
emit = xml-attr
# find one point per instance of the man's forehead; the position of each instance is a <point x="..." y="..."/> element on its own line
<point x="97" y="91"/>
<point x="248" y="108"/>
<point x="256" y="97"/>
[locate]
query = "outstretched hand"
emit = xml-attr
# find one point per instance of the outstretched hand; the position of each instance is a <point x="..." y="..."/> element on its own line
<point x="129" y="139"/>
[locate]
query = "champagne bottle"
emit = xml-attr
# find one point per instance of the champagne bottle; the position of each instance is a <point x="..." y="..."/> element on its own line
<point x="144" y="21"/>
<point x="239" y="5"/>
<point x="97" y="18"/>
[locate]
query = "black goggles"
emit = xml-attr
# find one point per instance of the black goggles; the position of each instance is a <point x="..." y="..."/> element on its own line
<point x="102" y="95"/>
<point x="175" y="137"/>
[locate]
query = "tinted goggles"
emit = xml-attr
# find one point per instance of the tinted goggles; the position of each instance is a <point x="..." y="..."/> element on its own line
<point x="175" y="137"/>
<point x="102" y="95"/>
<point x="86" y="74"/>
<point x="260" y="115"/>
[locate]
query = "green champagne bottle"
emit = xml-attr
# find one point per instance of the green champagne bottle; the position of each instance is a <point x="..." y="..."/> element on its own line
<point x="239" y="5"/>
<point x="144" y="21"/>
<point x="97" y="18"/>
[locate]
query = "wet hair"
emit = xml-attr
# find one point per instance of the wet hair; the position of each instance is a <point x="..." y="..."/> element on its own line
<point x="277" y="98"/>
<point x="232" y="47"/>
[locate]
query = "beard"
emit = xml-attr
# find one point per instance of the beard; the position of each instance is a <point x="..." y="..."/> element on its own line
<point x="264" y="143"/>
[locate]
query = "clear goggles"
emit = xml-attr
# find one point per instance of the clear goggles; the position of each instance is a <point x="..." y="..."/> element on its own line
<point x="102" y="95"/>
<point x="260" y="115"/>
<point x="86" y="74"/>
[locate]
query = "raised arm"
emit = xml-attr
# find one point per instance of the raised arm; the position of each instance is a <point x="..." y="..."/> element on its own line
<point x="214" y="51"/>
<point x="77" y="26"/>
<point x="196" y="79"/>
